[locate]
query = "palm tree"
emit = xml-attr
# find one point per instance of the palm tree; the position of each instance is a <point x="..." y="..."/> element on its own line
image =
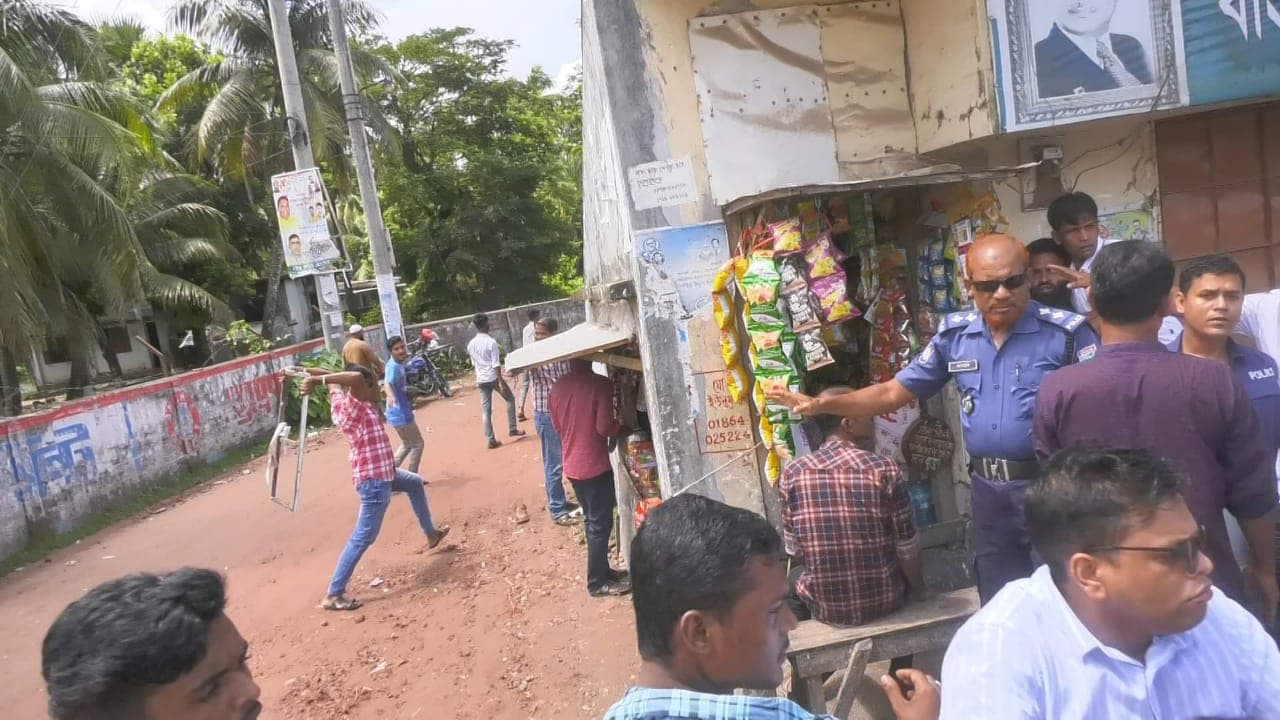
<point x="63" y="138"/>
<point x="241" y="131"/>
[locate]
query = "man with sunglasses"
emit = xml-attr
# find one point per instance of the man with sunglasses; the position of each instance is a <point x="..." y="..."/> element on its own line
<point x="1122" y="620"/>
<point x="1137" y="394"/>
<point x="997" y="356"/>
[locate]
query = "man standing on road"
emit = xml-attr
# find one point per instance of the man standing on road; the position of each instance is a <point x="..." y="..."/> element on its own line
<point x="581" y="404"/>
<point x="849" y="524"/>
<point x="712" y="617"/>
<point x="1121" y="621"/>
<point x="486" y="358"/>
<point x="1136" y="394"/>
<point x="543" y="378"/>
<point x="400" y="408"/>
<point x="998" y="357"/>
<point x="354" y="397"/>
<point x="159" y="647"/>
<point x="358" y="352"/>
<point x="528" y="337"/>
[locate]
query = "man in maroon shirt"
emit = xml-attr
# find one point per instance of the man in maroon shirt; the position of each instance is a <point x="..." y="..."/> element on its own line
<point x="582" y="413"/>
<point x="1137" y="395"/>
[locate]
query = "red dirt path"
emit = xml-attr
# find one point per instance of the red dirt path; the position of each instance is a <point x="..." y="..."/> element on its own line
<point x="498" y="624"/>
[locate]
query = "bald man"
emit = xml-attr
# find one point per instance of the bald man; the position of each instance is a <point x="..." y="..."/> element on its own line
<point x="997" y="355"/>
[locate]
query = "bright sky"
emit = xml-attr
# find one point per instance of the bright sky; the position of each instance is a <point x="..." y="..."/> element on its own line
<point x="546" y="36"/>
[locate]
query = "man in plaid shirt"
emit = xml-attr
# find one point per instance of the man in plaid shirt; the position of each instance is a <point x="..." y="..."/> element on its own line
<point x="354" y="398"/>
<point x="540" y="379"/>
<point x="848" y="520"/>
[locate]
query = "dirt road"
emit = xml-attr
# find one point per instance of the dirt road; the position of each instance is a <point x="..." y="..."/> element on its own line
<point x="497" y="625"/>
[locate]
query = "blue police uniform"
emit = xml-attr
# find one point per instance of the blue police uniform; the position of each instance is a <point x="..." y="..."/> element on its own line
<point x="997" y="400"/>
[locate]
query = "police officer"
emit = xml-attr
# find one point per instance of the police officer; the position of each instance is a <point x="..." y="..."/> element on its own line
<point x="997" y="356"/>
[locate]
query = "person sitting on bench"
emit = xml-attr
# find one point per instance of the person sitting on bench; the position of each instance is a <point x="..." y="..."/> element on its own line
<point x="709" y="593"/>
<point x="849" y="524"/>
<point x="1123" y="620"/>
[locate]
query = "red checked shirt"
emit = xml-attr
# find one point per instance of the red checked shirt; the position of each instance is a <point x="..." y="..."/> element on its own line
<point x="542" y="378"/>
<point x="371" y="457"/>
<point x="846" y="516"/>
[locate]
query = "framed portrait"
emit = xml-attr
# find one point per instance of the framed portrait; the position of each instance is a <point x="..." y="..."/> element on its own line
<point x="1073" y="60"/>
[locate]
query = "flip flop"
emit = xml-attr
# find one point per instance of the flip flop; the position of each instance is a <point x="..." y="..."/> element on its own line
<point x="441" y="532"/>
<point x="341" y="603"/>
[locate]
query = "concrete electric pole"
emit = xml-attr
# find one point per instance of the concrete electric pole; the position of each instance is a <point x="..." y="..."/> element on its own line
<point x="300" y="140"/>
<point x="379" y="240"/>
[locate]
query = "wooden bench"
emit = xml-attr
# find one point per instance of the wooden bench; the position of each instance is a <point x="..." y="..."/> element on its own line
<point x="818" y="648"/>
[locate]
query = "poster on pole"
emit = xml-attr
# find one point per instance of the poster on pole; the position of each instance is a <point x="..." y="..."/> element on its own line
<point x="303" y="218"/>
<point x="390" y="304"/>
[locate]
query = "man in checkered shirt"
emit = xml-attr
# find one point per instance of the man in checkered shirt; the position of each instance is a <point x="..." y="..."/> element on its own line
<point x="354" y="398"/>
<point x="541" y="379"/>
<point x="848" y="521"/>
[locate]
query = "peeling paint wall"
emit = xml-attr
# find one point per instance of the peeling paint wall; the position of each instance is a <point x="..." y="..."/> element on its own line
<point x="1114" y="161"/>
<point x="59" y="467"/>
<point x="951" y="76"/>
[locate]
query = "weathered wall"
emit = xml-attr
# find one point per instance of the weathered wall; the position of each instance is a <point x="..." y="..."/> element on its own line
<point x="506" y="325"/>
<point x="952" y="81"/>
<point x="59" y="467"/>
<point x="137" y="359"/>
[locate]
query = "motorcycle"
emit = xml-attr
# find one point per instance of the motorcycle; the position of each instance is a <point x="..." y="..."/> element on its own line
<point x="422" y="376"/>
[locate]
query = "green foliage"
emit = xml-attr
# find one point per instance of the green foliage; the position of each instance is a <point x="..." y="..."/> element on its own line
<point x="155" y="64"/>
<point x="318" y="407"/>
<point x="245" y="340"/>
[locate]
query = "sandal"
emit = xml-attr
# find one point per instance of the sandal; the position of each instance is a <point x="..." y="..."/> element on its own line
<point x="441" y="532"/>
<point x="340" y="603"/>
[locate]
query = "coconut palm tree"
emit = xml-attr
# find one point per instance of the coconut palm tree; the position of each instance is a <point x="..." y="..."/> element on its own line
<point x="241" y="131"/>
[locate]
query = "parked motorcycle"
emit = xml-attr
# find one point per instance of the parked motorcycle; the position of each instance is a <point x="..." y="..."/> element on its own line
<point x="422" y="376"/>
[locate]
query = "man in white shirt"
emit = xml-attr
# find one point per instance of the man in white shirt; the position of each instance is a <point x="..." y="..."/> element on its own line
<point x="486" y="358"/>
<point x="529" y="334"/>
<point x="1122" y="621"/>
<point x="1260" y="320"/>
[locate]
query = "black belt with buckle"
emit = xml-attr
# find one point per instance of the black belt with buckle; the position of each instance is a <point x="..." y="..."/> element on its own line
<point x="1003" y="470"/>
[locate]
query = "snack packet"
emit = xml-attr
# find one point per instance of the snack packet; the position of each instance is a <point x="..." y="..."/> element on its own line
<point x="723" y="307"/>
<point x="791" y="272"/>
<point x="810" y="219"/>
<point x="823" y="257"/>
<point x="801" y="309"/>
<point x="816" y="353"/>
<point x="833" y="299"/>
<point x="787" y="237"/>
<point x="765" y="326"/>
<point x="759" y="284"/>
<point x="738" y="381"/>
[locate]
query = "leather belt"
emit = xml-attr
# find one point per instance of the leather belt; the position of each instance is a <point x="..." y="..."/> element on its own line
<point x="1003" y="470"/>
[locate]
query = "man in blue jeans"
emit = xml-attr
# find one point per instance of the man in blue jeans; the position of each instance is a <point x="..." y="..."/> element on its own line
<point x="486" y="358"/>
<point x="400" y="408"/>
<point x="354" y="398"/>
<point x="541" y="379"/>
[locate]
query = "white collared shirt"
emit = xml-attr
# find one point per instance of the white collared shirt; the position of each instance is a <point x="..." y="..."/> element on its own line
<point x="1080" y="296"/>
<point x="1026" y="655"/>
<point x="1260" y="320"/>
<point x="1089" y="45"/>
<point x="485" y="357"/>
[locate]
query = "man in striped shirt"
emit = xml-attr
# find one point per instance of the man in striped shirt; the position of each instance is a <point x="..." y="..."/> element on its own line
<point x="1122" y="620"/>
<point x="541" y="379"/>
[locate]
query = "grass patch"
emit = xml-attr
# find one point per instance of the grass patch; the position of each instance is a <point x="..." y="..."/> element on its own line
<point x="137" y="503"/>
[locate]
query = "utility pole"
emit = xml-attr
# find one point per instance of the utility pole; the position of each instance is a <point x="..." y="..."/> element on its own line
<point x="300" y="140"/>
<point x="379" y="240"/>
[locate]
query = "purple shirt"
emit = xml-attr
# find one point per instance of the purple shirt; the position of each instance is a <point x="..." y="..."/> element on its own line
<point x="1183" y="408"/>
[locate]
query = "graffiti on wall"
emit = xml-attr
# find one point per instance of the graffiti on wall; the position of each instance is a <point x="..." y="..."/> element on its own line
<point x="182" y="421"/>
<point x="65" y="457"/>
<point x="252" y="398"/>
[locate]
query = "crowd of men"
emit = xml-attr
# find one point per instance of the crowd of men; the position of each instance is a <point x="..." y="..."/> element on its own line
<point x="1123" y="464"/>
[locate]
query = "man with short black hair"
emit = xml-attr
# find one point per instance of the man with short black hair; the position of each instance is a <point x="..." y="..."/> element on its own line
<point x="711" y="616"/>
<point x="400" y="407"/>
<point x="1137" y="394"/>
<point x="542" y="379"/>
<point x="1074" y="219"/>
<point x="528" y="337"/>
<point x="149" y="647"/>
<point x="850" y="525"/>
<point x="1048" y="287"/>
<point x="486" y="358"/>
<point x="1122" y="620"/>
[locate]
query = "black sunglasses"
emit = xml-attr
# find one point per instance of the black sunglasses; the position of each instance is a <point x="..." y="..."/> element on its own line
<point x="1013" y="282"/>
<point x="1186" y="552"/>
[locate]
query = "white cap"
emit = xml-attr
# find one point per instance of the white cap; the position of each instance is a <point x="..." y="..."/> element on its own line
<point x="355" y="329"/>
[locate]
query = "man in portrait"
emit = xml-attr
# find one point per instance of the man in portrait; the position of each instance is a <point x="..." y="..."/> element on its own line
<point x="1081" y="54"/>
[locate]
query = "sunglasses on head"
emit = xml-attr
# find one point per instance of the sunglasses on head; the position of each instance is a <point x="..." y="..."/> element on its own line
<point x="1186" y="553"/>
<point x="1013" y="282"/>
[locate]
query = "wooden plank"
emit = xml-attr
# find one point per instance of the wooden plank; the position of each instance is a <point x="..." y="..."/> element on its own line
<point x="853" y="673"/>
<point x="811" y="696"/>
<point x="818" y="661"/>
<point x="937" y="610"/>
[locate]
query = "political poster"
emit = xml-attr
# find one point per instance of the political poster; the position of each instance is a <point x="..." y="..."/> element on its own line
<point x="303" y="219"/>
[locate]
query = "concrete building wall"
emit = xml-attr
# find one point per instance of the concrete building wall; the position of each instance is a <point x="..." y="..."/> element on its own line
<point x="137" y="360"/>
<point x="59" y="467"/>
